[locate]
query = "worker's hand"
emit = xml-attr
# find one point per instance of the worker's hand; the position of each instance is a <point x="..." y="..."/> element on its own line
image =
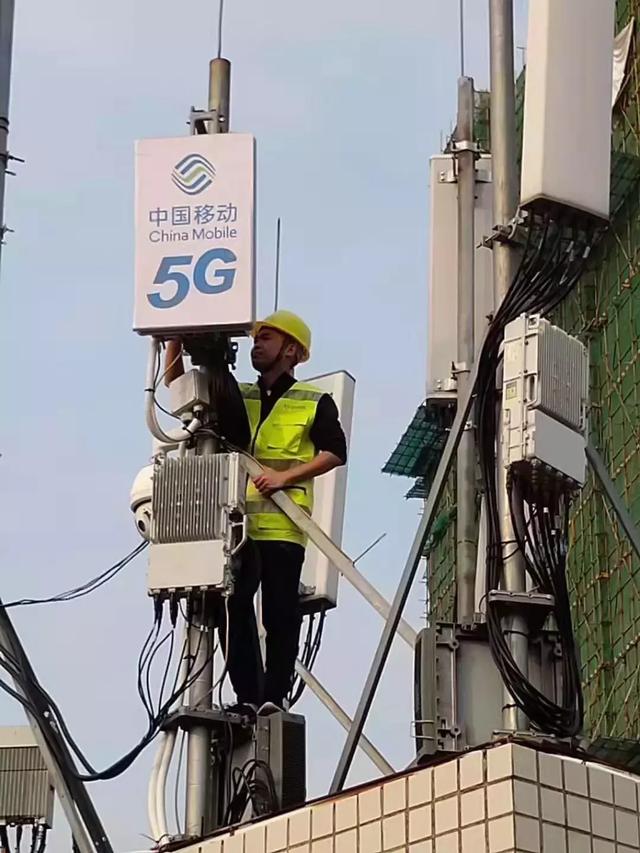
<point x="270" y="481"/>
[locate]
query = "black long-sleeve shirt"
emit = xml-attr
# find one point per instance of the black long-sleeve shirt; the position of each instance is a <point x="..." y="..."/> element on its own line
<point x="326" y="432"/>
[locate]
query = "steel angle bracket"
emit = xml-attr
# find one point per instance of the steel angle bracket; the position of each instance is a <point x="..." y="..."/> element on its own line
<point x="198" y="120"/>
<point x="185" y="718"/>
<point x="536" y="606"/>
<point x="617" y="504"/>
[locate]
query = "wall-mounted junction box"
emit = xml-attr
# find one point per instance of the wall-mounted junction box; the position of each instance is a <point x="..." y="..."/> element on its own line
<point x="281" y="744"/>
<point x="189" y="391"/>
<point x="459" y="694"/>
<point x="544" y="397"/>
<point x="566" y="157"/>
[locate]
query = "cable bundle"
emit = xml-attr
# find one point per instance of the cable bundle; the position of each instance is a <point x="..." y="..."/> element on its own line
<point x="41" y="706"/>
<point x="253" y="783"/>
<point x="38" y="838"/>
<point x="310" y="649"/>
<point x="540" y="518"/>
<point x="86" y="588"/>
<point x="44" y="711"/>
<point x="554" y="258"/>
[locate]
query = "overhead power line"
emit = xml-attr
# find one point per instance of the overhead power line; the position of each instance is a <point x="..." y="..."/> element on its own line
<point x="86" y="588"/>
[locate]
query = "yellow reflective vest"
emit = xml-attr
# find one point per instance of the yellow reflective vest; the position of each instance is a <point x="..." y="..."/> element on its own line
<point x="281" y="441"/>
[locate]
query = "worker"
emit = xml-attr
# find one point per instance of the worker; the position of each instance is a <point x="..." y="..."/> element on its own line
<point x="296" y="435"/>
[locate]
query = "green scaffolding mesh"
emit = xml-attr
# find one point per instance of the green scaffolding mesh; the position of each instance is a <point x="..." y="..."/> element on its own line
<point x="604" y="572"/>
<point x="419" y="450"/>
<point x="605" y="313"/>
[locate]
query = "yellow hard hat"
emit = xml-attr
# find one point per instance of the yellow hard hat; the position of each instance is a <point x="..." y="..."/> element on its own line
<point x="290" y="324"/>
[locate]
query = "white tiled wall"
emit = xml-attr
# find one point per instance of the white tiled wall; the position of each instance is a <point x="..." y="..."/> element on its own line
<point x="508" y="799"/>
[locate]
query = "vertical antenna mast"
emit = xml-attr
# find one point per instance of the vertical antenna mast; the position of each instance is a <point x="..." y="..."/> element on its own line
<point x="220" y="14"/>
<point x="466" y="528"/>
<point x="505" y="201"/>
<point x="462" y="57"/>
<point x="6" y="43"/>
<point x="201" y="645"/>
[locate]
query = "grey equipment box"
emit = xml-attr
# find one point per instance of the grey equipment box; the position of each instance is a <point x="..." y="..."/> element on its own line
<point x="280" y="743"/>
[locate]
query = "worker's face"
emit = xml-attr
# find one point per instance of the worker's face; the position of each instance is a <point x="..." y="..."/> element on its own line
<point x="269" y="346"/>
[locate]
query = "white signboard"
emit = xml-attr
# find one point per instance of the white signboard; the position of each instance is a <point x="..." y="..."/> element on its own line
<point x="195" y="223"/>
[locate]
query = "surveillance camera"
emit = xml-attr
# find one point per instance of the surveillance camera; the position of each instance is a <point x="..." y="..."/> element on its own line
<point x="142" y="515"/>
<point x="140" y="500"/>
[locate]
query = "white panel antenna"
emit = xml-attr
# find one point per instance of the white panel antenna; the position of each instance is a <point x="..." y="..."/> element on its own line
<point x="567" y="115"/>
<point x="442" y="342"/>
<point x="319" y="575"/>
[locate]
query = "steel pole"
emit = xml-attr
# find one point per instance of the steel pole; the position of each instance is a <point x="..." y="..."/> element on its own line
<point x="466" y="527"/>
<point x="505" y="203"/>
<point x="6" y="45"/>
<point x="503" y="140"/>
<point x="201" y="634"/>
<point x="199" y="737"/>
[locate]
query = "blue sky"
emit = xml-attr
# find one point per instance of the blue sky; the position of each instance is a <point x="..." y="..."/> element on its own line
<point x="347" y="101"/>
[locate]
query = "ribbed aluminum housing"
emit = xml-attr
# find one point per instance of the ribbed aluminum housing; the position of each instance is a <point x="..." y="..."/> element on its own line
<point x="191" y="496"/>
<point x="563" y="379"/>
<point x="26" y="793"/>
<point x="548" y="369"/>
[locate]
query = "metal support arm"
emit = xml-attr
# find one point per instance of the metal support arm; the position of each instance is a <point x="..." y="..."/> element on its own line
<point x="340" y="560"/>
<point x="626" y="522"/>
<point x="404" y="587"/>
<point x="342" y="717"/>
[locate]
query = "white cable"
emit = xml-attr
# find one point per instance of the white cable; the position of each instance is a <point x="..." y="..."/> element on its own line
<point x="171" y="436"/>
<point x="152" y="811"/>
<point x="167" y="755"/>
<point x="176" y="794"/>
<point x="227" y="638"/>
<point x="161" y="784"/>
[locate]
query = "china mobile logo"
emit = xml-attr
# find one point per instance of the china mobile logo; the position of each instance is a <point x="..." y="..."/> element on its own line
<point x="193" y="174"/>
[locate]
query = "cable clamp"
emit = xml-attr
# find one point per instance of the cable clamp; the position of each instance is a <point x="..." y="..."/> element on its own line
<point x="460" y="367"/>
<point x="511" y="234"/>
<point x="198" y="120"/>
<point x="462" y="145"/>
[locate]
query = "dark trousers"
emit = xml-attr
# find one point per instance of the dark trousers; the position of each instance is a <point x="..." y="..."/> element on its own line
<point x="276" y="567"/>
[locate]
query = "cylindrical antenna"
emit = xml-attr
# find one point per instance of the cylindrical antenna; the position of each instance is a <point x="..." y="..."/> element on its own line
<point x="277" y="287"/>
<point x="219" y="94"/>
<point x="369" y="548"/>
